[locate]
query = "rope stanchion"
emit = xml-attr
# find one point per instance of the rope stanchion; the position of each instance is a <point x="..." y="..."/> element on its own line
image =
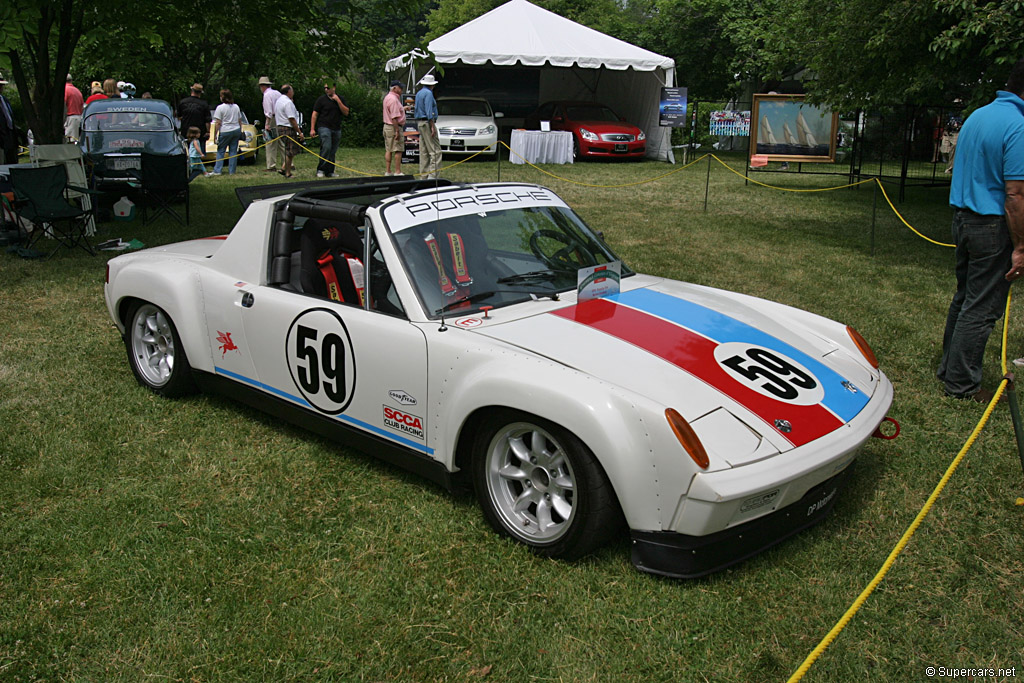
<point x="905" y="538"/>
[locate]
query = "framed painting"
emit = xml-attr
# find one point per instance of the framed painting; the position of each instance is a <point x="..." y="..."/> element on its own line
<point x="786" y="128"/>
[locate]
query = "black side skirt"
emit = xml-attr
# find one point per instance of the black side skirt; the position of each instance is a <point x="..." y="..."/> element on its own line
<point x="686" y="557"/>
<point x="385" y="450"/>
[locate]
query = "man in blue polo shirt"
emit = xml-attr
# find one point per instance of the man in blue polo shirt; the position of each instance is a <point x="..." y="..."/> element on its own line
<point x="426" y="123"/>
<point x="987" y="195"/>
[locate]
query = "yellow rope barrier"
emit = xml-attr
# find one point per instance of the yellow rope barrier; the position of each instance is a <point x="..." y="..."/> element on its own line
<point x="905" y="538"/>
<point x="889" y="201"/>
<point x="790" y="189"/>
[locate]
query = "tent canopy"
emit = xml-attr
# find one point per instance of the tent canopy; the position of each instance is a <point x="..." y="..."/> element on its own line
<point x="575" y="62"/>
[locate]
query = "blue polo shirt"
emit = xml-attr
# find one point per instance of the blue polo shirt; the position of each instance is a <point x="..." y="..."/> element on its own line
<point x="989" y="151"/>
<point x="426" y="105"/>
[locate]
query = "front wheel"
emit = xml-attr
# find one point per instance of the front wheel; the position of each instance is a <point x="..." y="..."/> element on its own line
<point x="155" y="352"/>
<point x="539" y="484"/>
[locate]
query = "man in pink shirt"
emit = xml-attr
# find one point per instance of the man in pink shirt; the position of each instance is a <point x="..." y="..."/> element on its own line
<point x="394" y="124"/>
<point x="73" y="105"/>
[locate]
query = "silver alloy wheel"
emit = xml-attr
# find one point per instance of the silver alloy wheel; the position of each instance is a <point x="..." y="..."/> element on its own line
<point x="531" y="483"/>
<point x="153" y="345"/>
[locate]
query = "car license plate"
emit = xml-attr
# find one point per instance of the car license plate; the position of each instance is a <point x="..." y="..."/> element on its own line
<point x="457" y="144"/>
<point x="124" y="163"/>
<point x="621" y="148"/>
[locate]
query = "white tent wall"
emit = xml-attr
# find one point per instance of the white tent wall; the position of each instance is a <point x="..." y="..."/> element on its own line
<point x="633" y="95"/>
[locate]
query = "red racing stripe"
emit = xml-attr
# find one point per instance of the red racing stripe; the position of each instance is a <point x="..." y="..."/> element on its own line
<point x="695" y="354"/>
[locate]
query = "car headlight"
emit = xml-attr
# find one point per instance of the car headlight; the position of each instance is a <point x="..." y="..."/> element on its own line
<point x="642" y="136"/>
<point x="248" y="136"/>
<point x="487" y="130"/>
<point x="587" y="135"/>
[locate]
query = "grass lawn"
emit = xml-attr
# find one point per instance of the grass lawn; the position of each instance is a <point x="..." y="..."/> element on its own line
<point x="197" y="540"/>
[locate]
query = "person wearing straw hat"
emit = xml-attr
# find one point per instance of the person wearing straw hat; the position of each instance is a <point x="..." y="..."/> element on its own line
<point x="426" y="123"/>
<point x="8" y="129"/>
<point x="275" y="147"/>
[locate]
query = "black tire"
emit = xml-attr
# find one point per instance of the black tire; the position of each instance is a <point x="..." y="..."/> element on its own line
<point x="566" y="506"/>
<point x="155" y="352"/>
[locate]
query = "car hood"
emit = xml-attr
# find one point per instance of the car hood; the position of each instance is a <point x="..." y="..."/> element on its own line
<point x="601" y="127"/>
<point x="711" y="355"/>
<point x="463" y="121"/>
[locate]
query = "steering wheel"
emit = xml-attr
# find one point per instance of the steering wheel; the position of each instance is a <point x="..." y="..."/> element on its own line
<point x="561" y="259"/>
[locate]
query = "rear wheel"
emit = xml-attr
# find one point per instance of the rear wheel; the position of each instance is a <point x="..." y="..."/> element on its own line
<point x="539" y="484"/>
<point x="155" y="351"/>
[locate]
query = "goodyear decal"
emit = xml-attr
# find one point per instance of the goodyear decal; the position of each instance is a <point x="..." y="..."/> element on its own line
<point x="796" y="395"/>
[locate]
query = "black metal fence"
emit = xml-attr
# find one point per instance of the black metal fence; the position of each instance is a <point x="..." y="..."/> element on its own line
<point x="911" y="145"/>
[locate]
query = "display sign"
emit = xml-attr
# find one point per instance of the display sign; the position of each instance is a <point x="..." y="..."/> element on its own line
<point x="672" y="109"/>
<point x="595" y="282"/>
<point x="729" y="123"/>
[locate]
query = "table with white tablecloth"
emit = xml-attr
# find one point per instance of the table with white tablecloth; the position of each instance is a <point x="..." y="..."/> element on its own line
<point x="541" y="147"/>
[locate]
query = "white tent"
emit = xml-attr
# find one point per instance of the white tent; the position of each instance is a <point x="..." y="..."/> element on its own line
<point x="576" y="62"/>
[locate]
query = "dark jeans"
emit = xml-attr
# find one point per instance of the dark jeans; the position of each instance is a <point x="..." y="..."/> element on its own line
<point x="329" y="140"/>
<point x="227" y="142"/>
<point x="983" y="250"/>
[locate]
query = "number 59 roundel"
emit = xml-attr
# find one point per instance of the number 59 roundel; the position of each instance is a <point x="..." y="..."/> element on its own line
<point x="321" y="361"/>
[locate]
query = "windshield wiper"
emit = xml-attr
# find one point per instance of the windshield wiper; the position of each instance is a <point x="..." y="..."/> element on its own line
<point x="526" y="277"/>
<point x="480" y="296"/>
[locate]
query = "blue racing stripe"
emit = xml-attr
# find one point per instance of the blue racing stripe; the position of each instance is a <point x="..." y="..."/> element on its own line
<point x="343" y="418"/>
<point x="721" y="328"/>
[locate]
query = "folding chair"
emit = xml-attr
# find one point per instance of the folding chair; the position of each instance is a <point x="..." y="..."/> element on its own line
<point x="71" y="157"/>
<point x="163" y="179"/>
<point x="41" y="194"/>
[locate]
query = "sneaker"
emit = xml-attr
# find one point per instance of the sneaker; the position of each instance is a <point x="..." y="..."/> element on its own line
<point x="213" y="173"/>
<point x="320" y="174"/>
<point x="983" y="396"/>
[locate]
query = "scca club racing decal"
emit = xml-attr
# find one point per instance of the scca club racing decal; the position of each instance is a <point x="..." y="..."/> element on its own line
<point x="321" y="361"/>
<point x="404" y="422"/>
<point x="769" y="373"/>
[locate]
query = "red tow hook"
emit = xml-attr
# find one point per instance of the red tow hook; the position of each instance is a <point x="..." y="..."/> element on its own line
<point x="879" y="434"/>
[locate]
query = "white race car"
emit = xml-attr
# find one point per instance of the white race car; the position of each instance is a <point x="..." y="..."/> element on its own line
<point x="441" y="327"/>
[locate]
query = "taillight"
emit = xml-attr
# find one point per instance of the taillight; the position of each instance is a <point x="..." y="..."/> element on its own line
<point x="863" y="345"/>
<point x="688" y="438"/>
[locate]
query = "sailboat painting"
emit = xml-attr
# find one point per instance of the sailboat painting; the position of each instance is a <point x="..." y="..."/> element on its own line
<point x="790" y="129"/>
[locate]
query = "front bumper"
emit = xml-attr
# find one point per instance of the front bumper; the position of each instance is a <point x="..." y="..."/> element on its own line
<point x="468" y="144"/>
<point x="613" y="149"/>
<point x="681" y="556"/>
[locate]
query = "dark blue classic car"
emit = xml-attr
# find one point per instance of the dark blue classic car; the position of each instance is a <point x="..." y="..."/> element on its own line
<point x="116" y="131"/>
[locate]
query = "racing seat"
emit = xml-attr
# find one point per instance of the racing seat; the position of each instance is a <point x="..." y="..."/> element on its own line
<point x="331" y="261"/>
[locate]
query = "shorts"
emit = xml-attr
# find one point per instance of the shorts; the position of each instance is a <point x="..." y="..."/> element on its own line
<point x="292" y="145"/>
<point x="391" y="144"/>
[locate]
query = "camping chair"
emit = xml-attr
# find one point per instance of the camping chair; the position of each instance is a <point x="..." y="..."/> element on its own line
<point x="71" y="157"/>
<point x="163" y="179"/>
<point x="41" y="194"/>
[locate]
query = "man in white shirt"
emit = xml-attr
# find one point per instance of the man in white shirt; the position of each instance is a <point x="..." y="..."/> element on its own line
<point x="275" y="149"/>
<point x="287" y="117"/>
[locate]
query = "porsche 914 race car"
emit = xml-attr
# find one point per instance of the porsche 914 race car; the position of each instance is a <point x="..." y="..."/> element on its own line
<point x="439" y="326"/>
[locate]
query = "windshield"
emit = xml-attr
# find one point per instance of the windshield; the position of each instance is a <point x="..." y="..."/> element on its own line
<point x="495" y="257"/>
<point x="463" y="108"/>
<point x="128" y="121"/>
<point x="591" y="112"/>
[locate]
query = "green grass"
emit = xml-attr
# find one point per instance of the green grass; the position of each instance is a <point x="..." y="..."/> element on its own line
<point x="147" y="539"/>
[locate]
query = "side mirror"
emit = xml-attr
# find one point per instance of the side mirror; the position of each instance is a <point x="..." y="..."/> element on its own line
<point x="256" y="122"/>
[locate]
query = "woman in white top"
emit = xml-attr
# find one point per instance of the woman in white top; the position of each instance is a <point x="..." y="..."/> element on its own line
<point x="227" y="131"/>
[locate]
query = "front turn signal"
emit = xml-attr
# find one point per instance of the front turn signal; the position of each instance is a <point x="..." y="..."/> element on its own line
<point x="688" y="438"/>
<point x="863" y="345"/>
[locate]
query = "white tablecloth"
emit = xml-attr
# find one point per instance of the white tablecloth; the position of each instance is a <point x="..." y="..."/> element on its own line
<point x="541" y="147"/>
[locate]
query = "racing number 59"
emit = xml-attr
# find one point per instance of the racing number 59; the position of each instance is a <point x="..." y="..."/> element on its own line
<point x="329" y="358"/>
<point x="782" y="378"/>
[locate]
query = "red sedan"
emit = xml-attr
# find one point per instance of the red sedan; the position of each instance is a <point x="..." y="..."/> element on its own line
<point x="597" y="130"/>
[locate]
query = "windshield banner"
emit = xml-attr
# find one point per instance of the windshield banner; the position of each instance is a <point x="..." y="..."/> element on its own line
<point x="464" y="201"/>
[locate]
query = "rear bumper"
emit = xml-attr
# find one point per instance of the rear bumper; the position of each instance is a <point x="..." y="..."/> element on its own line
<point x="681" y="556"/>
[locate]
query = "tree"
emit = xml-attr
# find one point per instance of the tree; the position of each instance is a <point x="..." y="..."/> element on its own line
<point x="39" y="40"/>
